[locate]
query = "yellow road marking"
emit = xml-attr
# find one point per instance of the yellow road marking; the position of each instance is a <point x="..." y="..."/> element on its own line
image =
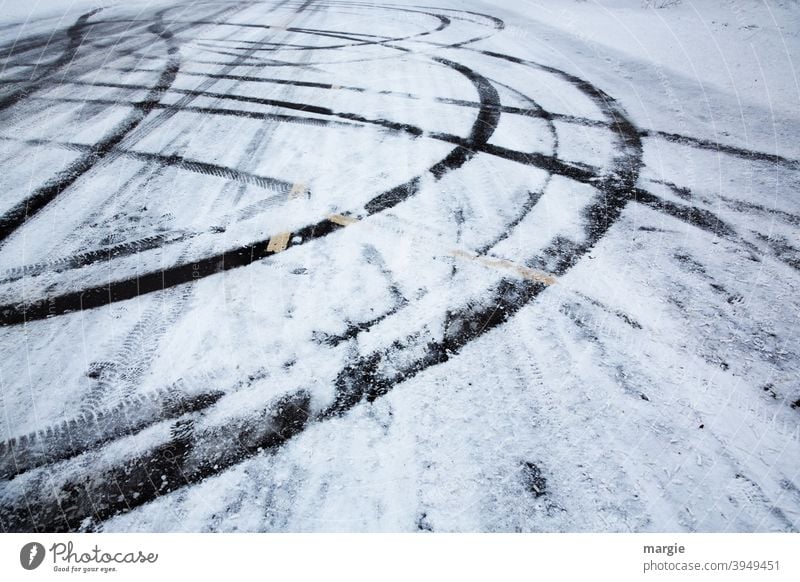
<point x="279" y="242"/>
<point x="522" y="271"/>
<point x="299" y="189"/>
<point x="342" y="220"/>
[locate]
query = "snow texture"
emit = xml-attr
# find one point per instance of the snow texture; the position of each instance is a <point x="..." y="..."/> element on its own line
<point x="357" y="266"/>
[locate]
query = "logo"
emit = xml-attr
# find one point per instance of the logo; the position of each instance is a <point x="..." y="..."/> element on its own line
<point x="31" y="555"/>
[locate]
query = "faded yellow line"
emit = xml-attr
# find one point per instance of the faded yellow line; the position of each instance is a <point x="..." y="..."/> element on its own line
<point x="299" y="190"/>
<point x="521" y="270"/>
<point x="342" y="220"/>
<point x="279" y="242"/>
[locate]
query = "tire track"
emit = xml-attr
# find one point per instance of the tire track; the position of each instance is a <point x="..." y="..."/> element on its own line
<point x="192" y="453"/>
<point x="75" y="35"/>
<point x="119" y="49"/>
<point x="201" y="443"/>
<point x="101" y="152"/>
<point x="482" y="129"/>
<point x="23" y="211"/>
<point x="86" y="258"/>
<point x="141" y="344"/>
<point x="91" y="429"/>
<point x="368" y="376"/>
<point x="704" y="144"/>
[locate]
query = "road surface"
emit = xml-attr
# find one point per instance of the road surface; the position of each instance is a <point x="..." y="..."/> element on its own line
<point x="333" y="266"/>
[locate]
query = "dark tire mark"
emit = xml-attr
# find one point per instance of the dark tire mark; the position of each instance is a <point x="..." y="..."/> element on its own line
<point x="23" y="211"/>
<point x="373" y="257"/>
<point x="174" y="108"/>
<point x="782" y="249"/>
<point x="92" y="429"/>
<point x="302" y="107"/>
<point x="743" y="206"/>
<point x="193" y="453"/>
<point x="704" y="144"/>
<point x="444" y="22"/>
<point x="89" y="63"/>
<point x="615" y="312"/>
<point x="160" y="280"/>
<point x="95" y="256"/>
<point x="698" y="217"/>
<point x="373" y="375"/>
<point x="75" y="36"/>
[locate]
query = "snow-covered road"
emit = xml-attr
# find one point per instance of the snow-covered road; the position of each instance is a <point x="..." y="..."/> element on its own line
<point x="331" y="265"/>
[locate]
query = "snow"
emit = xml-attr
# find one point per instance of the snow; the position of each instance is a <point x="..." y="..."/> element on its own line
<point x="513" y="311"/>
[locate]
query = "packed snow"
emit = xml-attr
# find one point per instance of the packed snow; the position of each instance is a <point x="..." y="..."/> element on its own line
<point x="359" y="266"/>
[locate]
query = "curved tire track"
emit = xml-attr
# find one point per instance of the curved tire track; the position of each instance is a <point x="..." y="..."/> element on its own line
<point x="198" y="445"/>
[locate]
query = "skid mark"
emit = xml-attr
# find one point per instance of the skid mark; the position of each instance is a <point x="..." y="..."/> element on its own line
<point x="60" y="478"/>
